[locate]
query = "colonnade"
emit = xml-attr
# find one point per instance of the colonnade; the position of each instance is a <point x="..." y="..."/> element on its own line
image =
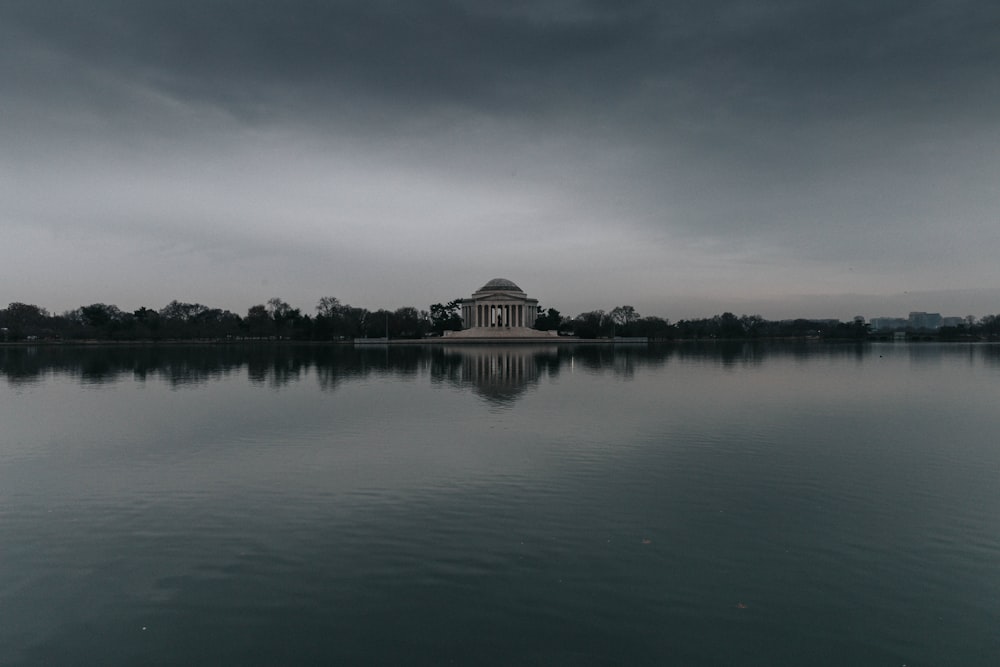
<point x="498" y="315"/>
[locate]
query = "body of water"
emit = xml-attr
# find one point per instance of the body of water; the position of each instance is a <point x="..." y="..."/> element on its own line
<point x="510" y="505"/>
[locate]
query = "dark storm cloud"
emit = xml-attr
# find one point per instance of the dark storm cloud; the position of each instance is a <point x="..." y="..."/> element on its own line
<point x="261" y="57"/>
<point x="744" y="94"/>
<point x="777" y="58"/>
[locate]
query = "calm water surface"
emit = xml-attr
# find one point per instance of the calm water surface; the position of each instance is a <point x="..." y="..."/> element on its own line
<point x="768" y="505"/>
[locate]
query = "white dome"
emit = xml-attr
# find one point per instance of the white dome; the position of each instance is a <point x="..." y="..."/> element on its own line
<point x="500" y="284"/>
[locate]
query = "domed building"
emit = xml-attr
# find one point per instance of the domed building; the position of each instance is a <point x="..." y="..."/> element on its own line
<point x="499" y="304"/>
<point x="499" y="309"/>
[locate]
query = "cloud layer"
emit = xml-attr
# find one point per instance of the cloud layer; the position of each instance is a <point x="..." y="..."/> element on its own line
<point x="683" y="157"/>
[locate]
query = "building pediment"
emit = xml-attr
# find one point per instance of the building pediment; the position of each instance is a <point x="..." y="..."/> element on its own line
<point x="506" y="297"/>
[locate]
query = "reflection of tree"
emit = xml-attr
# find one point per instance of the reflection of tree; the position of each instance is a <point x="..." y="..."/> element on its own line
<point x="990" y="353"/>
<point x="93" y="364"/>
<point x="446" y="366"/>
<point x="728" y="353"/>
<point x="498" y="373"/>
<point x="275" y="370"/>
<point x="177" y="366"/>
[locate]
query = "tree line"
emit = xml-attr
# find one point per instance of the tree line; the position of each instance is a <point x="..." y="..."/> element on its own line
<point x="625" y="321"/>
<point x="275" y="319"/>
<point x="332" y="320"/>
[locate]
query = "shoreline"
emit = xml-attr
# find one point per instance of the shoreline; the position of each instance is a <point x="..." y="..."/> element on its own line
<point x="376" y="342"/>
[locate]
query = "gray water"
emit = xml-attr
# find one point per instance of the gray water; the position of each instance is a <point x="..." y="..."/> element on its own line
<point x="717" y="505"/>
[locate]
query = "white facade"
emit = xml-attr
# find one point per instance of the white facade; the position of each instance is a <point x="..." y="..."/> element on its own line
<point x="499" y="305"/>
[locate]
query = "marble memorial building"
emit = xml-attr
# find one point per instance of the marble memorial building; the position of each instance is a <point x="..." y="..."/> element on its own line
<point x="499" y="306"/>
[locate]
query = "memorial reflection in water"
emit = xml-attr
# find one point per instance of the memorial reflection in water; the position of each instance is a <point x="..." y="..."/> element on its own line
<point x="502" y="373"/>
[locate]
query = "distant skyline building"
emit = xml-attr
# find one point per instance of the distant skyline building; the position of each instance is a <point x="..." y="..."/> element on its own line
<point x="916" y="321"/>
<point x="888" y="323"/>
<point x="928" y="321"/>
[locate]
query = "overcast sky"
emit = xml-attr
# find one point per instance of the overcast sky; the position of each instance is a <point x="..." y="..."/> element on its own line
<point x="788" y="158"/>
